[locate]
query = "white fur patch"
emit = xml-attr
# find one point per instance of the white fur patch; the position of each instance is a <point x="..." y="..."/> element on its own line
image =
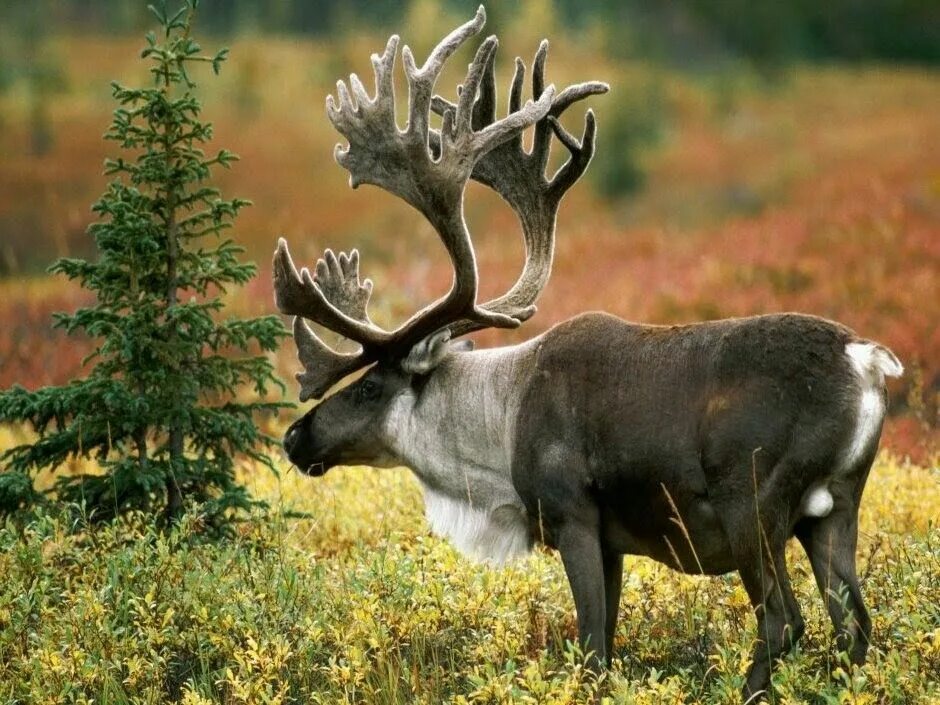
<point x="871" y="411"/>
<point x="872" y="363"/>
<point x="494" y="536"/>
<point x="457" y="436"/>
<point x="817" y="502"/>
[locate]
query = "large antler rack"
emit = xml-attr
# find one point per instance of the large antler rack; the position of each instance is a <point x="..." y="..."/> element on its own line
<point x="519" y="177"/>
<point x="429" y="169"/>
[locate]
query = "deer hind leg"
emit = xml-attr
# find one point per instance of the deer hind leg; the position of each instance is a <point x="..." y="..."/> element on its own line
<point x="831" y="539"/>
<point x="759" y="553"/>
<point x="779" y="622"/>
<point x="830" y="544"/>
<point x="757" y="530"/>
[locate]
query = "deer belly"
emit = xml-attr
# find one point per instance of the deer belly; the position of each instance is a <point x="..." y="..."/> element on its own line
<point x="687" y="536"/>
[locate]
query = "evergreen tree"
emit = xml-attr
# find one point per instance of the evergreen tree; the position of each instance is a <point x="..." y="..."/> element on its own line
<point x="159" y="409"/>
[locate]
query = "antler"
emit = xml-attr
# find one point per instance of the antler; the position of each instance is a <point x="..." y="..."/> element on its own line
<point x="429" y="169"/>
<point x="519" y="177"/>
<point x="401" y="161"/>
<point x="335" y="300"/>
<point x="338" y="279"/>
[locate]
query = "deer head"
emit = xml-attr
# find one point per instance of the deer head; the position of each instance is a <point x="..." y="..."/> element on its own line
<point x="428" y="168"/>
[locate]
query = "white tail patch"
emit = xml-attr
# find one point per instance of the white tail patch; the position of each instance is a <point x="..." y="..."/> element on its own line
<point x="494" y="536"/>
<point x="817" y="502"/>
<point x="872" y="363"/>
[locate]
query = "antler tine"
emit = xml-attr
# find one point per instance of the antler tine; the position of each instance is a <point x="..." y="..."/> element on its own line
<point x="541" y="141"/>
<point x="323" y="366"/>
<point x="572" y="94"/>
<point x="336" y="299"/>
<point x="520" y="178"/>
<point x="491" y="166"/>
<point x="581" y="154"/>
<point x="421" y="80"/>
<point x="297" y="294"/>
<point x="338" y="279"/>
<point x="377" y="151"/>
<point x="484" y="110"/>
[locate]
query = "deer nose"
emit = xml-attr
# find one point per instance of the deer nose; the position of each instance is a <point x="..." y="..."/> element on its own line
<point x="291" y="437"/>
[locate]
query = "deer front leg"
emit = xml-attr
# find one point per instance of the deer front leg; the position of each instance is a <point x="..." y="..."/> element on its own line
<point x="613" y="583"/>
<point x="549" y="475"/>
<point x="580" y="547"/>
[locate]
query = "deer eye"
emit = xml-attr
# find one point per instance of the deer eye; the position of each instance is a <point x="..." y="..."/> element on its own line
<point x="368" y="390"/>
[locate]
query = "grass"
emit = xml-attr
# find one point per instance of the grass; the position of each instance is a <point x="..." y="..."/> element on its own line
<point x="357" y="603"/>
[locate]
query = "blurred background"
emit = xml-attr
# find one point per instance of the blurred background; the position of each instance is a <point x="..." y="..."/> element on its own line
<point x="752" y="157"/>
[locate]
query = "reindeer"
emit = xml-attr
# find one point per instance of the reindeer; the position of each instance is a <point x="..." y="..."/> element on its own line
<point x="704" y="446"/>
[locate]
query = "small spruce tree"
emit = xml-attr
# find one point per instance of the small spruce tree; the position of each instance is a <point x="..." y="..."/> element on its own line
<point x="159" y="410"/>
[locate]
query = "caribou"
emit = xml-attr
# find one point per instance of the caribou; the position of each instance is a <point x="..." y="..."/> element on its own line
<point x="704" y="446"/>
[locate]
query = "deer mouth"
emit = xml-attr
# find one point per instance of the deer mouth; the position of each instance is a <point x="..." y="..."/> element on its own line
<point x="316" y="469"/>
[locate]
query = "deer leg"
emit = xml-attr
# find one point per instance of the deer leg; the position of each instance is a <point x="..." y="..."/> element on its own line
<point x="580" y="547"/>
<point x="757" y="538"/>
<point x="613" y="582"/>
<point x="779" y="622"/>
<point x="830" y="544"/>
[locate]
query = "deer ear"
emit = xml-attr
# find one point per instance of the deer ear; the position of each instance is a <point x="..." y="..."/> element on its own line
<point x="427" y="354"/>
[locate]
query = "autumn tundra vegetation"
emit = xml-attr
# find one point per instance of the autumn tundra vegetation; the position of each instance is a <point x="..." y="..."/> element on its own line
<point x="747" y="188"/>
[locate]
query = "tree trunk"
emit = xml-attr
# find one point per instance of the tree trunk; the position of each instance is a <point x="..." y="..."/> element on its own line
<point x="174" y="495"/>
<point x="140" y="435"/>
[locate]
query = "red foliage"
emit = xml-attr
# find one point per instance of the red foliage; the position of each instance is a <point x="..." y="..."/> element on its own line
<point x="32" y="352"/>
<point x="840" y="217"/>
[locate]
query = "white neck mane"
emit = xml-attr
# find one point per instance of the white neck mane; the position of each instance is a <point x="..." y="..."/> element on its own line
<point x="457" y="436"/>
